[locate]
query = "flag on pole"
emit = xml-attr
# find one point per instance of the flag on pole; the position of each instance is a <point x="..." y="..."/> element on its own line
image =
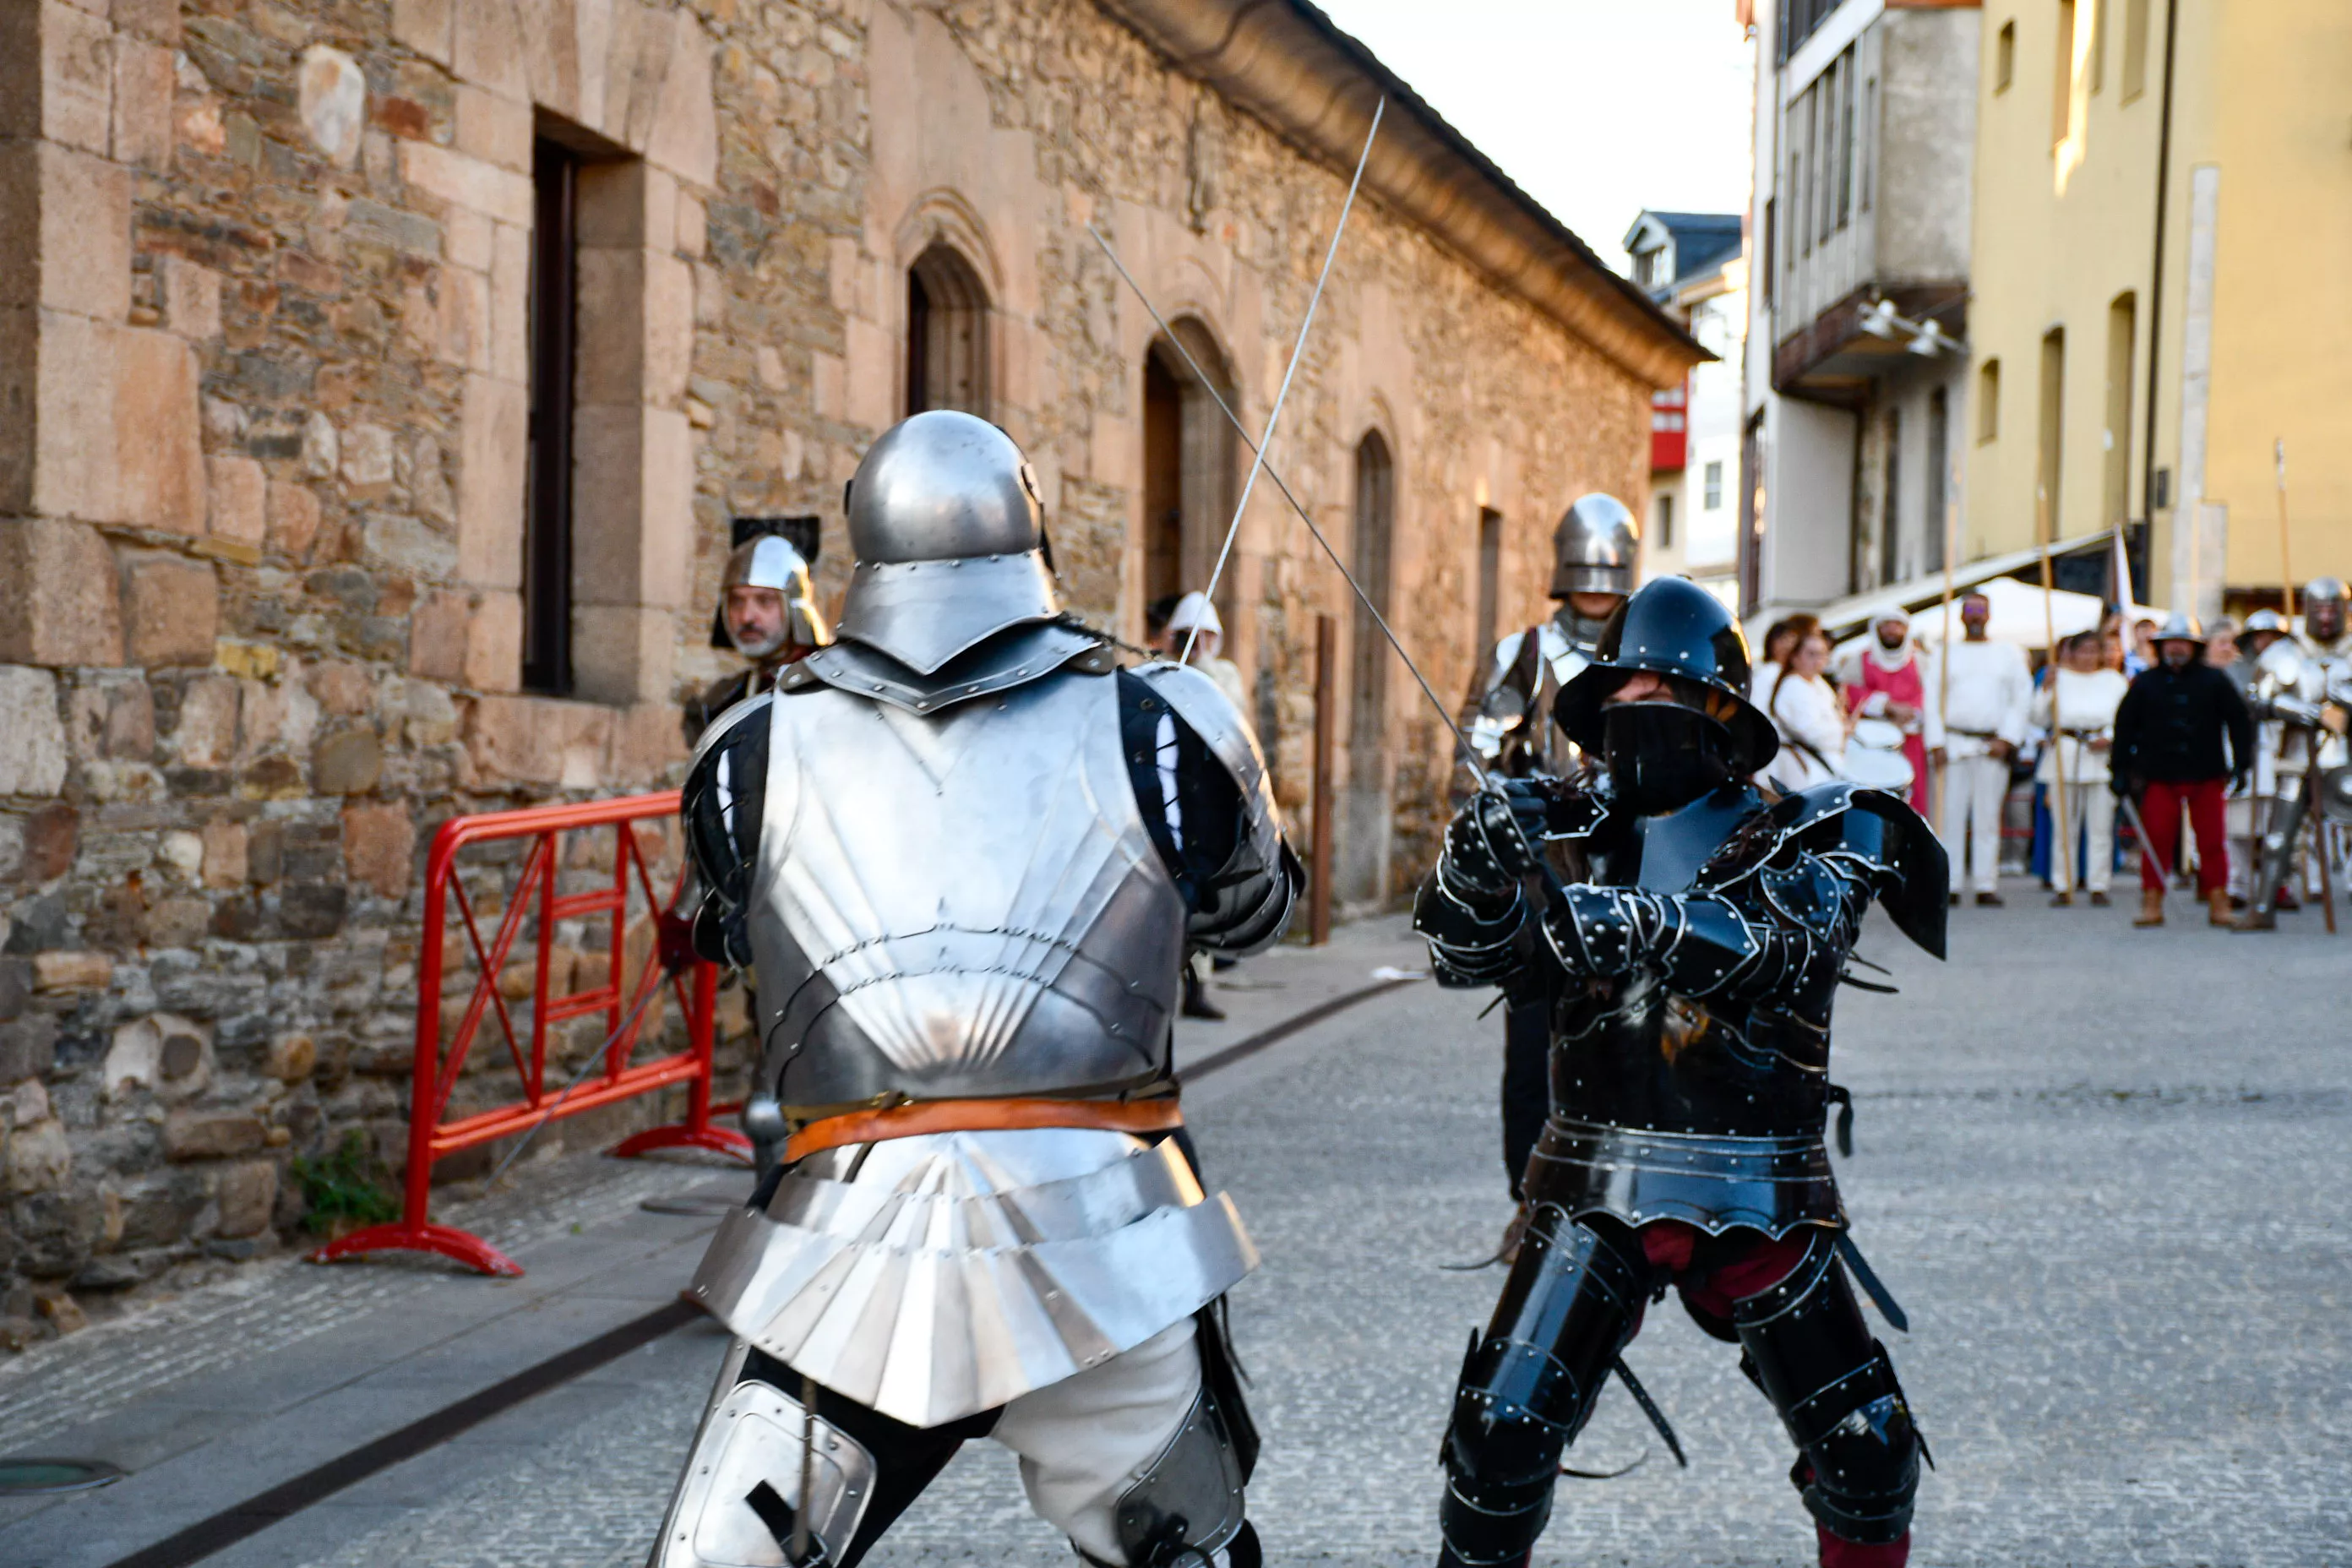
<point x="2124" y="599"/>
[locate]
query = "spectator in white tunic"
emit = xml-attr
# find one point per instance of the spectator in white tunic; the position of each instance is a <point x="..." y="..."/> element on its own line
<point x="1973" y="730"/>
<point x="2077" y="705"/>
<point x="1814" y="724"/>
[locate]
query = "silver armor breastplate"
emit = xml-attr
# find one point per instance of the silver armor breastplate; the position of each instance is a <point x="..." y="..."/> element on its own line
<point x="963" y="904"/>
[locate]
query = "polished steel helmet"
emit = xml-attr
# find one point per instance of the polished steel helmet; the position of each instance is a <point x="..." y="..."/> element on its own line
<point x="2262" y="621"/>
<point x="1595" y="548"/>
<point x="2324" y="600"/>
<point x="2180" y="627"/>
<point x="1672" y="627"/>
<point x="945" y="523"/>
<point x="770" y="562"/>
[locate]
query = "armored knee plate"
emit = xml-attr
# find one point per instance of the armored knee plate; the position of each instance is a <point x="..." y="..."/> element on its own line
<point x="1809" y="1349"/>
<point x="1187" y="1507"/>
<point x="1528" y="1386"/>
<point x="742" y="1492"/>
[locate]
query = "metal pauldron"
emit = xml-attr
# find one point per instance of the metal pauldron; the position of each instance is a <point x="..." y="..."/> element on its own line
<point x="1713" y="1180"/>
<point x="1248" y="903"/>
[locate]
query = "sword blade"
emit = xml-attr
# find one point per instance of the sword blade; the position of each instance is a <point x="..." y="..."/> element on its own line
<point x="1207" y="384"/>
<point x="1298" y="350"/>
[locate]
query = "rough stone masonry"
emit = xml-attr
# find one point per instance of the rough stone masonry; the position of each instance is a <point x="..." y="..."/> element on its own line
<point x="266" y="402"/>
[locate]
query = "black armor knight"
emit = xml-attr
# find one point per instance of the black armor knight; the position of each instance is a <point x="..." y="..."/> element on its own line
<point x="1692" y="955"/>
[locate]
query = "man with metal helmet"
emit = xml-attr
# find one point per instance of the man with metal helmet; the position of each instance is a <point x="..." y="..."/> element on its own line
<point x="964" y="852"/>
<point x="2328" y="617"/>
<point x="2182" y="737"/>
<point x="1595" y="550"/>
<point x="2298" y="732"/>
<point x="767" y="607"/>
<point x="1694" y="948"/>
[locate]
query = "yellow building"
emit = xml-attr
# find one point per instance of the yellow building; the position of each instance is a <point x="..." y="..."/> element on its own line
<point x="2163" y="202"/>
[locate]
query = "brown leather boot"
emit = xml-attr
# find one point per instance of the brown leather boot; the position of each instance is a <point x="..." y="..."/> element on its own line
<point x="2217" y="909"/>
<point x="2151" y="907"/>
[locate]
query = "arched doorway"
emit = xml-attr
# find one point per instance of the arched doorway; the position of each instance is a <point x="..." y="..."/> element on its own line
<point x="1188" y="467"/>
<point x="947" y="334"/>
<point x="1363" y="847"/>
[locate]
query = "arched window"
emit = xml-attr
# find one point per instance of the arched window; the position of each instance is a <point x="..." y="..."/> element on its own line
<point x="1188" y="465"/>
<point x="947" y="334"/>
<point x="1364" y="849"/>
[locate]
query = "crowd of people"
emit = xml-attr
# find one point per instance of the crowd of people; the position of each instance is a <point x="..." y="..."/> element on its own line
<point x="2154" y="721"/>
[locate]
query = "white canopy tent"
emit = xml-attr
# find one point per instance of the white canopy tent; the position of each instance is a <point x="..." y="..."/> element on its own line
<point x="1922" y="595"/>
<point x="2017" y="616"/>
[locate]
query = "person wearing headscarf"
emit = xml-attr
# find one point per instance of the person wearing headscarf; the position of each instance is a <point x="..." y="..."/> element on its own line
<point x="1886" y="681"/>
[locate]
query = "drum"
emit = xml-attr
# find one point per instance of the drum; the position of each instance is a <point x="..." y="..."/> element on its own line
<point x="1874" y="756"/>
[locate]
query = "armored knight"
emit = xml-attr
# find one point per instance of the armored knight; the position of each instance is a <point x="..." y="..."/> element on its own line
<point x="2297" y="690"/>
<point x="1594" y="552"/>
<point x="1695" y="948"/>
<point x="964" y="851"/>
<point x="767" y="609"/>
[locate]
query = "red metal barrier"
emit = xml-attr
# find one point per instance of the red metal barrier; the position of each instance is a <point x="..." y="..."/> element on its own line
<point x="619" y="998"/>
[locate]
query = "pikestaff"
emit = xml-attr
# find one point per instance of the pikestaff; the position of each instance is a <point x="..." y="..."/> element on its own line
<point x="1944" y="637"/>
<point x="2286" y="570"/>
<point x="2062" y="842"/>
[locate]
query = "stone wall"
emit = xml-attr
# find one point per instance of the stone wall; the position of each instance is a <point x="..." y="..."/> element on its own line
<point x="264" y="274"/>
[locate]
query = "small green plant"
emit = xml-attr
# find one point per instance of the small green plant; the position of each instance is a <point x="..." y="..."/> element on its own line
<point x="347" y="1184"/>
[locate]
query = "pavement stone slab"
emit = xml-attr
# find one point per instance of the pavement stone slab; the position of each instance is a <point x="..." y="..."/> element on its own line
<point x="2101" y="1168"/>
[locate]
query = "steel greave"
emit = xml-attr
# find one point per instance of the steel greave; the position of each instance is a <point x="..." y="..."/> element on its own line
<point x="1528" y="1384"/>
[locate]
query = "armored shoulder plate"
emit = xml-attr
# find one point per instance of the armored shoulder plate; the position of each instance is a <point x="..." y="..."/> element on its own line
<point x="1011" y="658"/>
<point x="1252" y="896"/>
<point x="1909" y="874"/>
<point x="1197" y="702"/>
<point x="726" y="784"/>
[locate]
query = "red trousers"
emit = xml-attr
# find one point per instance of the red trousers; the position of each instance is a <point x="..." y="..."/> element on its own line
<point x="2159" y="810"/>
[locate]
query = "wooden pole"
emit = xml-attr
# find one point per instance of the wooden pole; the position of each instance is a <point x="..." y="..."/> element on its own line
<point x="1326" y="684"/>
<point x="1944" y="634"/>
<point x="2286" y="569"/>
<point x="2062" y="843"/>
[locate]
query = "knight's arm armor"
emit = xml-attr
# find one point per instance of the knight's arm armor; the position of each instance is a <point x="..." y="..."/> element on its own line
<point x="721" y="808"/>
<point x="1201" y="784"/>
<point x="1774" y="911"/>
<point x="1472" y="908"/>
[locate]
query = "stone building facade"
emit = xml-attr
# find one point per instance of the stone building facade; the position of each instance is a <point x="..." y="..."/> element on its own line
<point x="380" y="381"/>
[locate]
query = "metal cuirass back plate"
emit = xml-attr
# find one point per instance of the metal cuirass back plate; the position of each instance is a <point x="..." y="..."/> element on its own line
<point x="963" y="903"/>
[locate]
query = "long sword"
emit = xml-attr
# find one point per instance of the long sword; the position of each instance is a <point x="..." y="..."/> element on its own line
<point x="1298" y="350"/>
<point x="1207" y="384"/>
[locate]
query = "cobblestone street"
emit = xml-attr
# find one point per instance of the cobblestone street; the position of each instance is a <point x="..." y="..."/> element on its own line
<point x="2104" y="1170"/>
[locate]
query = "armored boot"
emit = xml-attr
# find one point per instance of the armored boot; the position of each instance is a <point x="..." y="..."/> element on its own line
<point x="2151" y="907"/>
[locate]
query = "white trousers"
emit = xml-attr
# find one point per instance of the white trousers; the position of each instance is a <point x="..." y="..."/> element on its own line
<point x="1974" y="789"/>
<point x="1083" y="1443"/>
<point x="2090" y="813"/>
<point x="1085" y="1440"/>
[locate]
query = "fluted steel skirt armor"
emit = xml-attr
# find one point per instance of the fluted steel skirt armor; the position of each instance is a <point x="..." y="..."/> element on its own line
<point x="935" y="1277"/>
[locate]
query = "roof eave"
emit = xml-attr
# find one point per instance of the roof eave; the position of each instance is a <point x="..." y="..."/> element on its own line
<point x="1288" y="65"/>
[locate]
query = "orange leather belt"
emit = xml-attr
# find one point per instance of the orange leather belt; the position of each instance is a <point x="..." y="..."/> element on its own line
<point x="922" y="1116"/>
